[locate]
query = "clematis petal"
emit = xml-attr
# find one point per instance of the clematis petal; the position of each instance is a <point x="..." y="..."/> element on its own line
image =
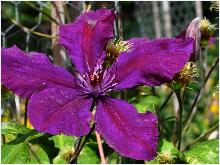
<point x="25" y="73"/>
<point x="193" y="30"/>
<point x="86" y="38"/>
<point x="61" y="110"/>
<point x="151" y="63"/>
<point x="131" y="134"/>
<point x="138" y="41"/>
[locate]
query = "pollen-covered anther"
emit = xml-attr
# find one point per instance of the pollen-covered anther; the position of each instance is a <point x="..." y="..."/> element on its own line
<point x="114" y="48"/>
<point x="189" y="71"/>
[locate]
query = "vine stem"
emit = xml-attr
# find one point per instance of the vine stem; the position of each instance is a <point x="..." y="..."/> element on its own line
<point x="178" y="124"/>
<point x="25" y="113"/>
<point x="101" y="152"/>
<point x="81" y="141"/>
<point x="79" y="146"/>
<point x="201" y="137"/>
<point x="165" y="102"/>
<point x="193" y="110"/>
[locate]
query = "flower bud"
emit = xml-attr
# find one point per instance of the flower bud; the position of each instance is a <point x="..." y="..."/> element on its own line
<point x="66" y="153"/>
<point x="207" y="29"/>
<point x="193" y="31"/>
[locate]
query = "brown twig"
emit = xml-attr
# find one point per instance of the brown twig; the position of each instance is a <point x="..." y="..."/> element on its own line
<point x="101" y="152"/>
<point x="36" y="8"/>
<point x="27" y="30"/>
<point x="57" y="12"/>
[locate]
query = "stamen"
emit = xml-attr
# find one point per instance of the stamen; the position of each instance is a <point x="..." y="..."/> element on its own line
<point x="96" y="78"/>
<point x="189" y="71"/>
<point x="113" y="49"/>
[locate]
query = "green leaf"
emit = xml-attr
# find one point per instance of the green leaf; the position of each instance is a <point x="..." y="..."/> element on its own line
<point x="37" y="155"/>
<point x="147" y="103"/>
<point x="14" y="154"/>
<point x="88" y="156"/>
<point x="63" y="140"/>
<point x="167" y="153"/>
<point x="113" y="158"/>
<point x="23" y="136"/>
<point x="47" y="145"/>
<point x="14" y="129"/>
<point x="65" y="144"/>
<point x="206" y="152"/>
<point x="155" y="161"/>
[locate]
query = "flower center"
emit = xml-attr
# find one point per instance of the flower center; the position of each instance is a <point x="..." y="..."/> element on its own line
<point x="96" y="78"/>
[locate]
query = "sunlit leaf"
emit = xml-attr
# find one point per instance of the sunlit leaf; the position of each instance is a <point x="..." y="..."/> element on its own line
<point x="63" y="140"/>
<point x="14" y="154"/>
<point x="147" y="103"/>
<point x="47" y="145"/>
<point x="14" y="129"/>
<point x="206" y="152"/>
<point x="38" y="155"/>
<point x="113" y="158"/>
<point x="88" y="156"/>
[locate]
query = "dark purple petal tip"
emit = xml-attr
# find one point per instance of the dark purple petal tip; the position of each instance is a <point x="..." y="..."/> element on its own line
<point x="26" y="73"/>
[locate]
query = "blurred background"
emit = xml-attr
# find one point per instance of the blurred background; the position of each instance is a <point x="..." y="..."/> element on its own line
<point x="33" y="26"/>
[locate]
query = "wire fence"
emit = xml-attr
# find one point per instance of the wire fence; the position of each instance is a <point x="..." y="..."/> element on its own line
<point x="21" y="21"/>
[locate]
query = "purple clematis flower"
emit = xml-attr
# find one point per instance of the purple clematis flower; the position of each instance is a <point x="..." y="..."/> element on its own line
<point x="193" y="31"/>
<point x="60" y="102"/>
